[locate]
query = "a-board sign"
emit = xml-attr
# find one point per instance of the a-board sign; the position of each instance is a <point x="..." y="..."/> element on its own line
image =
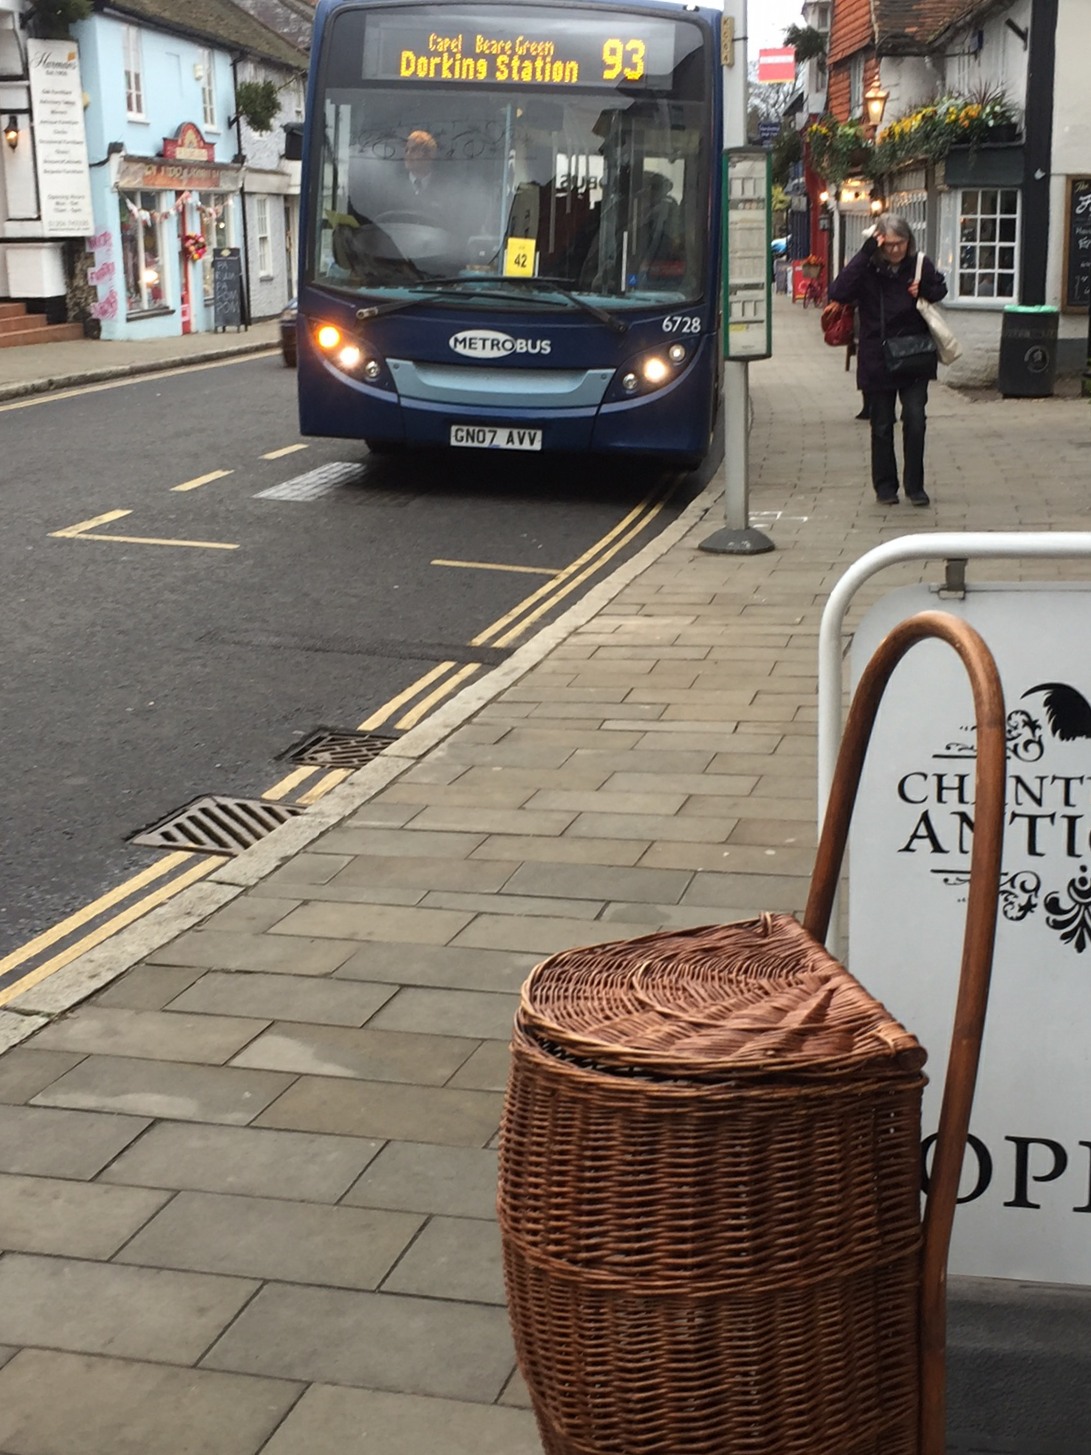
<point x="1077" y="245"/>
<point x="1025" y="1194"/>
<point x="227" y="287"/>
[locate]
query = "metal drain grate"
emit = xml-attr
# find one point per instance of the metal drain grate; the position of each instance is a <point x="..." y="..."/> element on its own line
<point x="339" y="748"/>
<point x="214" y="825"/>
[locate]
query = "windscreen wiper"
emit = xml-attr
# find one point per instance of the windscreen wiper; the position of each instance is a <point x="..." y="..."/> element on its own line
<point x="466" y="287"/>
<point x="557" y="285"/>
<point x="422" y="293"/>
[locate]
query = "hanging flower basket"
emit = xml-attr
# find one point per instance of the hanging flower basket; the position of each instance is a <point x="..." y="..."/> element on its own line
<point x="928" y="133"/>
<point x="194" y="246"/>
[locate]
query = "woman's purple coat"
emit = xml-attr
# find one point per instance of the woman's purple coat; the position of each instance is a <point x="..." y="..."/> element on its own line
<point x="866" y="279"/>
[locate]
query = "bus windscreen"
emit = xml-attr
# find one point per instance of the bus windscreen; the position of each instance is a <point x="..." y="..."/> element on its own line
<point x="460" y="141"/>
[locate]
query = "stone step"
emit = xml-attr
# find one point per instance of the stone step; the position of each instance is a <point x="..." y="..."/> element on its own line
<point x="13" y="310"/>
<point x="52" y="333"/>
<point x="21" y="322"/>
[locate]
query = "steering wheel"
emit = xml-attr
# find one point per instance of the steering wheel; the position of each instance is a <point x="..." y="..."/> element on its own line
<point x="423" y="219"/>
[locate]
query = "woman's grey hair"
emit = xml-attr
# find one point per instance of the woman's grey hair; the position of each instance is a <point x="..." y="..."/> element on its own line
<point x="890" y="225"/>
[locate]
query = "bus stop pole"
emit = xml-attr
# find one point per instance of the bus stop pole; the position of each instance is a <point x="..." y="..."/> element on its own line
<point x="736" y="538"/>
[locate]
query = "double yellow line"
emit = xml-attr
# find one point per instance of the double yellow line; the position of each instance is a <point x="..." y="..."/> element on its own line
<point x="161" y="881"/>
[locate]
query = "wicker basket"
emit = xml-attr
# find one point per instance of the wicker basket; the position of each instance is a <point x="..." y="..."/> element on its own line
<point x="710" y="1168"/>
<point x="810" y="270"/>
<point x="710" y="1172"/>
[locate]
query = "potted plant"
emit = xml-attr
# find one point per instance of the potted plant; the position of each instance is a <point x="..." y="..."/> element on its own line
<point x="807" y="42"/>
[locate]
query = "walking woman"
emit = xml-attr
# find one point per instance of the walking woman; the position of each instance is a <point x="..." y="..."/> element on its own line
<point x="881" y="281"/>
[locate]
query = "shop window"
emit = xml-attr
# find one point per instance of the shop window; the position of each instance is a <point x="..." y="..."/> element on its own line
<point x="134" y="73"/>
<point x="265" y="251"/>
<point x="988" y="243"/>
<point x="208" y="90"/>
<point x="142" y="252"/>
<point x="215" y="216"/>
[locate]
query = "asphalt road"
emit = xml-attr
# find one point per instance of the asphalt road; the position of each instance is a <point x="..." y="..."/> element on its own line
<point x="186" y="594"/>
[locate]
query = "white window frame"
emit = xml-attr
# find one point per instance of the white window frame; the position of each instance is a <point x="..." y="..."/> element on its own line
<point x="208" y="91"/>
<point x="146" y="304"/>
<point x="133" y="69"/>
<point x="856" y="84"/>
<point x="261" y="228"/>
<point x="992" y="270"/>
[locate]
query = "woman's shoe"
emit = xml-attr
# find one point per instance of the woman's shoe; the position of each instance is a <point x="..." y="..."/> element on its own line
<point x="921" y="499"/>
<point x="886" y="499"/>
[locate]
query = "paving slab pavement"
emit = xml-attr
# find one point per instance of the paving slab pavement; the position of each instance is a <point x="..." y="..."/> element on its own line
<point x="247" y="1147"/>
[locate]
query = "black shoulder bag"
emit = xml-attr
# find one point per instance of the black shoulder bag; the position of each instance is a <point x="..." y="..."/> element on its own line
<point x="909" y="355"/>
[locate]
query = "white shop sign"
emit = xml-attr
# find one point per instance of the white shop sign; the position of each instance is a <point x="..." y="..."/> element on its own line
<point x="60" y="141"/>
<point x="1026" y="1183"/>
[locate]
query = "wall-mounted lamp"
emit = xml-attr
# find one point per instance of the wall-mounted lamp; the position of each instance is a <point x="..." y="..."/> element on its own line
<point x="875" y="99"/>
<point x="824" y="198"/>
<point x="11" y="133"/>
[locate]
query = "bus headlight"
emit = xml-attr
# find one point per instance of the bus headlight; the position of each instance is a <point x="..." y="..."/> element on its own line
<point x="651" y="371"/>
<point x="351" y="355"/>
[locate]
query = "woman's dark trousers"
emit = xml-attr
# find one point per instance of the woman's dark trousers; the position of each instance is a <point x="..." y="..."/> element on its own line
<point x="884" y="464"/>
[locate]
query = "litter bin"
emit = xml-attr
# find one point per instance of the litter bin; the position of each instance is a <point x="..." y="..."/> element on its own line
<point x="1028" y="352"/>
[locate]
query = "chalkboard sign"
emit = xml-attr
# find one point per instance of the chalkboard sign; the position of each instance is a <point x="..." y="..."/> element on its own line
<point x="1077" y="246"/>
<point x="227" y="287"/>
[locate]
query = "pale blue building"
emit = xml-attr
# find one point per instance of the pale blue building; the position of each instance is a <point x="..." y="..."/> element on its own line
<point x="166" y="154"/>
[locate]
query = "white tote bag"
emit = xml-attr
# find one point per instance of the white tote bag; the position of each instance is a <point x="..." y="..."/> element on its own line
<point x="948" y="347"/>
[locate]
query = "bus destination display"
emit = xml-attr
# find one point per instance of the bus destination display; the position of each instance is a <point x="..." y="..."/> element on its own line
<point x="591" y="51"/>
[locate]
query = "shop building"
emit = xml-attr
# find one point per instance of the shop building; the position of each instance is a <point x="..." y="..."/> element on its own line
<point x="971" y="121"/>
<point x="168" y="161"/>
<point x="128" y="172"/>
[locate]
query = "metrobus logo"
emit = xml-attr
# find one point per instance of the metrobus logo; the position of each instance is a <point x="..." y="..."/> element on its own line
<point x="490" y="343"/>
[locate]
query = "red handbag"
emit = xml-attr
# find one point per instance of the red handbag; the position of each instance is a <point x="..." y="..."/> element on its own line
<point x="838" y="324"/>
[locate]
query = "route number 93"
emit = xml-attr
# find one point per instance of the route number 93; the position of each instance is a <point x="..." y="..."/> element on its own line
<point x="681" y="323"/>
<point x="623" y="58"/>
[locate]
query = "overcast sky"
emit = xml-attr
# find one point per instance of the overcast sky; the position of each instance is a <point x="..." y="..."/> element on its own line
<point x="767" y="20"/>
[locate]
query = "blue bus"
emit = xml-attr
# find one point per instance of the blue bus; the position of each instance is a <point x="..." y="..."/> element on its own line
<point x="511" y="226"/>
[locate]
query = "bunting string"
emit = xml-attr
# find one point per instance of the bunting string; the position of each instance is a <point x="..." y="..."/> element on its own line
<point x="210" y="212"/>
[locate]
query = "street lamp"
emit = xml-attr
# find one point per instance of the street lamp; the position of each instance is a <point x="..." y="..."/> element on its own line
<point x="11" y="133"/>
<point x="875" y="99"/>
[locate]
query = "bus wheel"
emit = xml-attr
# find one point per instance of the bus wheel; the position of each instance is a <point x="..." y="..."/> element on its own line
<point x="384" y="447"/>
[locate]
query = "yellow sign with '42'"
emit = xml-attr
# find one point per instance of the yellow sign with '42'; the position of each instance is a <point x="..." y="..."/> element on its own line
<point x="519" y="256"/>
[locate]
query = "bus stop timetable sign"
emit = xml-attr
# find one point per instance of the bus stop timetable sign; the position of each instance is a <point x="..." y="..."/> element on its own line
<point x="747" y="241"/>
<point x="1025" y="1196"/>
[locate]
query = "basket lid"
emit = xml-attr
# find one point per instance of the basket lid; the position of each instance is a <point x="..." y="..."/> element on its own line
<point x="758" y="998"/>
